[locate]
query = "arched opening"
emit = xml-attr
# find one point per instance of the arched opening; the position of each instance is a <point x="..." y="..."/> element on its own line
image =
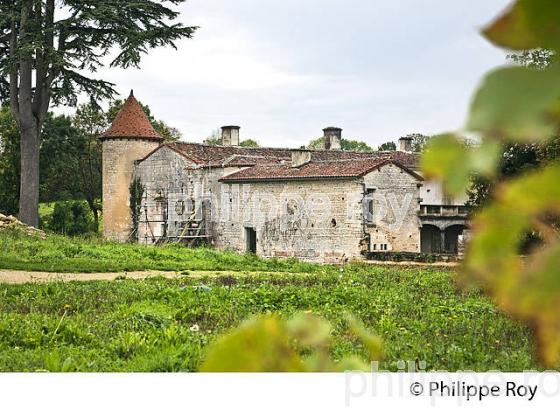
<point x="452" y="234"/>
<point x="430" y="239"/>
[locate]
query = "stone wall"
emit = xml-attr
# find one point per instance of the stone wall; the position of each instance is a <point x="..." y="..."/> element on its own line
<point x="174" y="189"/>
<point x="318" y="221"/>
<point x="315" y="220"/>
<point x="169" y="188"/>
<point x="394" y="225"/>
<point x="119" y="156"/>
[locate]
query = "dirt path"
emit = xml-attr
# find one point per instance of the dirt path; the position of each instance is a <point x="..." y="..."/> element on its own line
<point x="18" y="277"/>
<point x="405" y="263"/>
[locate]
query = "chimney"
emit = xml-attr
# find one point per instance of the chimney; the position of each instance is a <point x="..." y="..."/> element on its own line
<point x="300" y="157"/>
<point x="333" y="138"/>
<point x="405" y="144"/>
<point x="230" y="135"/>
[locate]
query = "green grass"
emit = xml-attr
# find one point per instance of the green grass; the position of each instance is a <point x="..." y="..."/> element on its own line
<point x="128" y="325"/>
<point x="62" y="254"/>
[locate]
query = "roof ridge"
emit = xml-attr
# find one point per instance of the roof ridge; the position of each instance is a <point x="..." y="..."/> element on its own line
<point x="293" y="149"/>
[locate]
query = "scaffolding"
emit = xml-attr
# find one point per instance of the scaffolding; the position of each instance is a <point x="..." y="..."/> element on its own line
<point x="191" y="231"/>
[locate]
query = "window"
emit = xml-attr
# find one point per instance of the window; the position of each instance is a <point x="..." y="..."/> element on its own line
<point x="180" y="207"/>
<point x="381" y="247"/>
<point x="369" y="208"/>
<point x="433" y="210"/>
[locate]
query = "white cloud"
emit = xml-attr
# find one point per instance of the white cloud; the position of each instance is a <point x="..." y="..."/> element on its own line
<point x="284" y="69"/>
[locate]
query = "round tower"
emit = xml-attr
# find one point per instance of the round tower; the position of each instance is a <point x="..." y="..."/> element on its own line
<point x="130" y="138"/>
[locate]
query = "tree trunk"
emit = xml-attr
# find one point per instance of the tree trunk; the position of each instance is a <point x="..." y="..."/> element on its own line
<point x="93" y="207"/>
<point x="29" y="183"/>
<point x="96" y="220"/>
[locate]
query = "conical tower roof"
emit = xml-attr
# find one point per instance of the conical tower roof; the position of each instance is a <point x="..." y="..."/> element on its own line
<point x="132" y="122"/>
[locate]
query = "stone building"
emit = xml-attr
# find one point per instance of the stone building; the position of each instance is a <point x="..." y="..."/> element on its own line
<point x="323" y="205"/>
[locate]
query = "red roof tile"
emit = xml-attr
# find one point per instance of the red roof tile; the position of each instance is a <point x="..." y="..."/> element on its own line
<point x="219" y="156"/>
<point x="131" y="122"/>
<point x="345" y="168"/>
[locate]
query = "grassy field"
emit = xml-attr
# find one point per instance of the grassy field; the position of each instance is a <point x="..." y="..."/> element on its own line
<point x="149" y="325"/>
<point x="128" y="325"/>
<point x="62" y="254"/>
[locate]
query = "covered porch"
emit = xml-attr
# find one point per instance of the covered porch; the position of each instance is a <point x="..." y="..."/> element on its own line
<point x="441" y="236"/>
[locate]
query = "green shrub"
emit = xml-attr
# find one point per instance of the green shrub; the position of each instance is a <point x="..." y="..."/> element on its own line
<point x="71" y="218"/>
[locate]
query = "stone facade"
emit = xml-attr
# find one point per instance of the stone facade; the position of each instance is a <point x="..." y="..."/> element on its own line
<point x="395" y="226"/>
<point x="330" y="220"/>
<point x="323" y="205"/>
<point x="177" y="190"/>
<point x="309" y="220"/>
<point x="323" y="220"/>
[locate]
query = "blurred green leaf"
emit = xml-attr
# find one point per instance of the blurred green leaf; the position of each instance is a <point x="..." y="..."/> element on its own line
<point x="372" y="343"/>
<point x="309" y="330"/>
<point x="528" y="289"/>
<point x="526" y="25"/>
<point x="517" y="103"/>
<point x="483" y="158"/>
<point x="443" y="159"/>
<point x="538" y="303"/>
<point x="451" y="161"/>
<point x="259" y="345"/>
<point x="270" y="344"/>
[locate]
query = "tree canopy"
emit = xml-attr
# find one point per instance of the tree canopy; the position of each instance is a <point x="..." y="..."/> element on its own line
<point x="70" y="153"/>
<point x="48" y="49"/>
<point x="388" y="146"/>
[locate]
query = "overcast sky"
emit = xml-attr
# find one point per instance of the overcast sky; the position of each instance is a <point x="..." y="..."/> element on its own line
<point x="285" y="69"/>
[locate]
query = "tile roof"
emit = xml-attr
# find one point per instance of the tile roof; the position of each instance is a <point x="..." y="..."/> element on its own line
<point x="220" y="156"/>
<point x="344" y="168"/>
<point x="131" y="122"/>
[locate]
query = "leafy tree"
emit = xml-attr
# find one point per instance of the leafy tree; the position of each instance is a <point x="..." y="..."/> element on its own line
<point x="249" y="143"/>
<point x="419" y="142"/>
<point x="70" y="218"/>
<point x="388" y="146"/>
<point x="167" y="132"/>
<point x="59" y="148"/>
<point x="539" y="58"/>
<point x="345" y="144"/>
<point x="9" y="162"/>
<point x="215" y="138"/>
<point x="46" y="47"/>
<point x="515" y="160"/>
<point x="90" y="122"/>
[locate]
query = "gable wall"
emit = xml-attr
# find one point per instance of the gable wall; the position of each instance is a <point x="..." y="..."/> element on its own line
<point x="167" y="178"/>
<point x="396" y="207"/>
